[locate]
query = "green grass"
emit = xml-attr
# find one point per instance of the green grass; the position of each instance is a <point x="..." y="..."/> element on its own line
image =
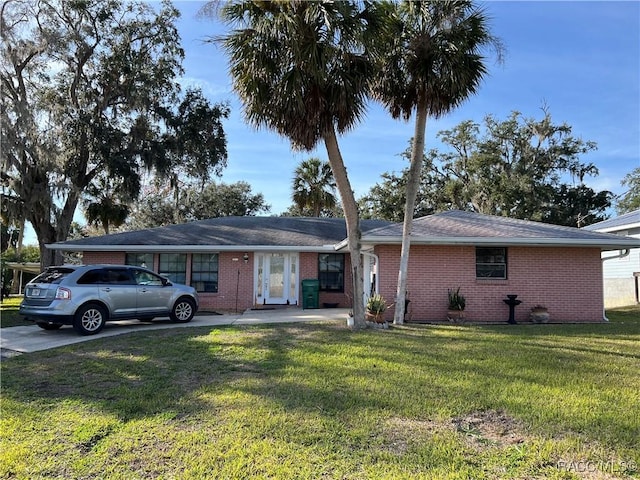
<point x="9" y="313"/>
<point x="320" y="401"/>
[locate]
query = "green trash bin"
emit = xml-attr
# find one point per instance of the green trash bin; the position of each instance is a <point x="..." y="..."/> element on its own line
<point x="310" y="293"/>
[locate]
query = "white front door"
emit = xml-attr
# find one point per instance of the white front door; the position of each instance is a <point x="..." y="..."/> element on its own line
<point x="277" y="275"/>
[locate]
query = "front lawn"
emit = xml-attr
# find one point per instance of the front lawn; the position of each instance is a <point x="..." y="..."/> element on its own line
<point x="320" y="401"/>
<point x="9" y="312"/>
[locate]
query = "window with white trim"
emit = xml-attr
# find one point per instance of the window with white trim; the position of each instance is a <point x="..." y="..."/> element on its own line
<point x="491" y="262"/>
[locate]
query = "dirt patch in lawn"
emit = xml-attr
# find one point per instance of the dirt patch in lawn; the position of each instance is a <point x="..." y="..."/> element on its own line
<point x="480" y="429"/>
<point x="490" y="428"/>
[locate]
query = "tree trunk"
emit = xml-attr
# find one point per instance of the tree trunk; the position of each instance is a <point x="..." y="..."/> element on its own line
<point x="47" y="233"/>
<point x="352" y="218"/>
<point x="15" y="283"/>
<point x="413" y="184"/>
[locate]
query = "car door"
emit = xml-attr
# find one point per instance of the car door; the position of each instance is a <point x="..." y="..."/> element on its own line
<point x="118" y="290"/>
<point x="154" y="295"/>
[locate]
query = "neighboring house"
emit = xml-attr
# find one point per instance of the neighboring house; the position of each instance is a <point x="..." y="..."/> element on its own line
<point x="621" y="269"/>
<point x="248" y="262"/>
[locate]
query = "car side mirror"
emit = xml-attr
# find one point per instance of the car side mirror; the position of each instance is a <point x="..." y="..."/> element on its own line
<point x="166" y="282"/>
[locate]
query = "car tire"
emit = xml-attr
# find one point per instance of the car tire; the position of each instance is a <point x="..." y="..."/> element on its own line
<point x="89" y="319"/>
<point x="49" y="326"/>
<point x="183" y="310"/>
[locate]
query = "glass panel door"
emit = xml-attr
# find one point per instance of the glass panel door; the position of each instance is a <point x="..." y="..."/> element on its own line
<point x="276" y="278"/>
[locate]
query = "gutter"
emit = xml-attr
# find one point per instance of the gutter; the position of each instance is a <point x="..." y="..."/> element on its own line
<point x="617" y="228"/>
<point x="622" y="254"/>
<point x="377" y="264"/>
<point x="605" y="244"/>
<point x="189" y="248"/>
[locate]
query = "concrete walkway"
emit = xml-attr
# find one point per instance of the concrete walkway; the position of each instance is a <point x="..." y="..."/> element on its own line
<point x="16" y="340"/>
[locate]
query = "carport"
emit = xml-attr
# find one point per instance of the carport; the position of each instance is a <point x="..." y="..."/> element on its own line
<point x="22" y="267"/>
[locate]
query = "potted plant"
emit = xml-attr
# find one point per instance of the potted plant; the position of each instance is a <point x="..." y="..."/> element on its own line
<point x="539" y="314"/>
<point x="457" y="303"/>
<point x="376" y="306"/>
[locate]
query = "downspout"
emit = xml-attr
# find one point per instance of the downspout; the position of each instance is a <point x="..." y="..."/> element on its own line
<point x="376" y="260"/>
<point x="622" y="254"/>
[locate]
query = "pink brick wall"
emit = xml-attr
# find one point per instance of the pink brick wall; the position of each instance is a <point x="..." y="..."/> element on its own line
<point x="92" y="258"/>
<point x="309" y="269"/>
<point x="229" y="279"/>
<point x="566" y="280"/>
<point x="233" y="275"/>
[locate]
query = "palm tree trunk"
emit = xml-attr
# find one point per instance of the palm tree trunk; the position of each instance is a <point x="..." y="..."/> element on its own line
<point x="352" y="218"/>
<point x="413" y="184"/>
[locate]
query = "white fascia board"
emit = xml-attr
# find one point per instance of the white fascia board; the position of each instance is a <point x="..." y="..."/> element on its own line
<point x="613" y="244"/>
<point x="188" y="248"/>
<point x="619" y="228"/>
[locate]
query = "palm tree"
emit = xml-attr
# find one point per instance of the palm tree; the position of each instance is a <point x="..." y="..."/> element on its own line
<point x="303" y="69"/>
<point x="106" y="204"/>
<point x="434" y="63"/>
<point x="314" y="186"/>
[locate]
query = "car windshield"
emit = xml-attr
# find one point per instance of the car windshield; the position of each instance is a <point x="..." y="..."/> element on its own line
<point x="52" y="275"/>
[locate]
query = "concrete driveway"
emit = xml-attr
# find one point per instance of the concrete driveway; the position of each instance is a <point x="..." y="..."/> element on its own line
<point x="17" y="340"/>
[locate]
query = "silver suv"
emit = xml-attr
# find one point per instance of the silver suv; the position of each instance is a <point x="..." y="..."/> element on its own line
<point x="86" y="296"/>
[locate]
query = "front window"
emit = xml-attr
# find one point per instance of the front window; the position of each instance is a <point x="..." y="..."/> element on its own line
<point x="174" y="266"/>
<point x="331" y="272"/>
<point x="491" y="262"/>
<point x="204" y="272"/>
<point x="144" y="260"/>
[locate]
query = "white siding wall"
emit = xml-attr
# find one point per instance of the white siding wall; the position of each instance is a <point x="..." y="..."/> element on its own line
<point x="622" y="267"/>
<point x="619" y="281"/>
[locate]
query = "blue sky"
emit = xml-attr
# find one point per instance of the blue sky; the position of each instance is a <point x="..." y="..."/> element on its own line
<point x="581" y="59"/>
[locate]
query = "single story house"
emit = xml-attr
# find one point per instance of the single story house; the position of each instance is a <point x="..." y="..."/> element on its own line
<point x="247" y="262"/>
<point x="621" y="271"/>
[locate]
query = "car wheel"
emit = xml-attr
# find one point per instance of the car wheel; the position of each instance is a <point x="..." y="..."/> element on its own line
<point x="49" y="326"/>
<point x="183" y="310"/>
<point x="89" y="319"/>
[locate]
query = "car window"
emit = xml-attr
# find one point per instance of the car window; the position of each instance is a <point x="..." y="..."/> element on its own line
<point x="92" y="277"/>
<point x="146" y="278"/>
<point x="53" y="275"/>
<point x="119" y="276"/>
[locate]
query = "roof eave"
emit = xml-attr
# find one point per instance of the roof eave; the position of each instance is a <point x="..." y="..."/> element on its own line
<point x="624" y="242"/>
<point x="617" y="228"/>
<point x="189" y="248"/>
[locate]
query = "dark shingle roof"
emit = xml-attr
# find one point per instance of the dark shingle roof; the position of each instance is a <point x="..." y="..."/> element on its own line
<point x="230" y="232"/>
<point x="458" y="227"/>
<point x="315" y="234"/>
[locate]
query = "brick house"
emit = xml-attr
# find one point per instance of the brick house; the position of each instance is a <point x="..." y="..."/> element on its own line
<point x="237" y="263"/>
